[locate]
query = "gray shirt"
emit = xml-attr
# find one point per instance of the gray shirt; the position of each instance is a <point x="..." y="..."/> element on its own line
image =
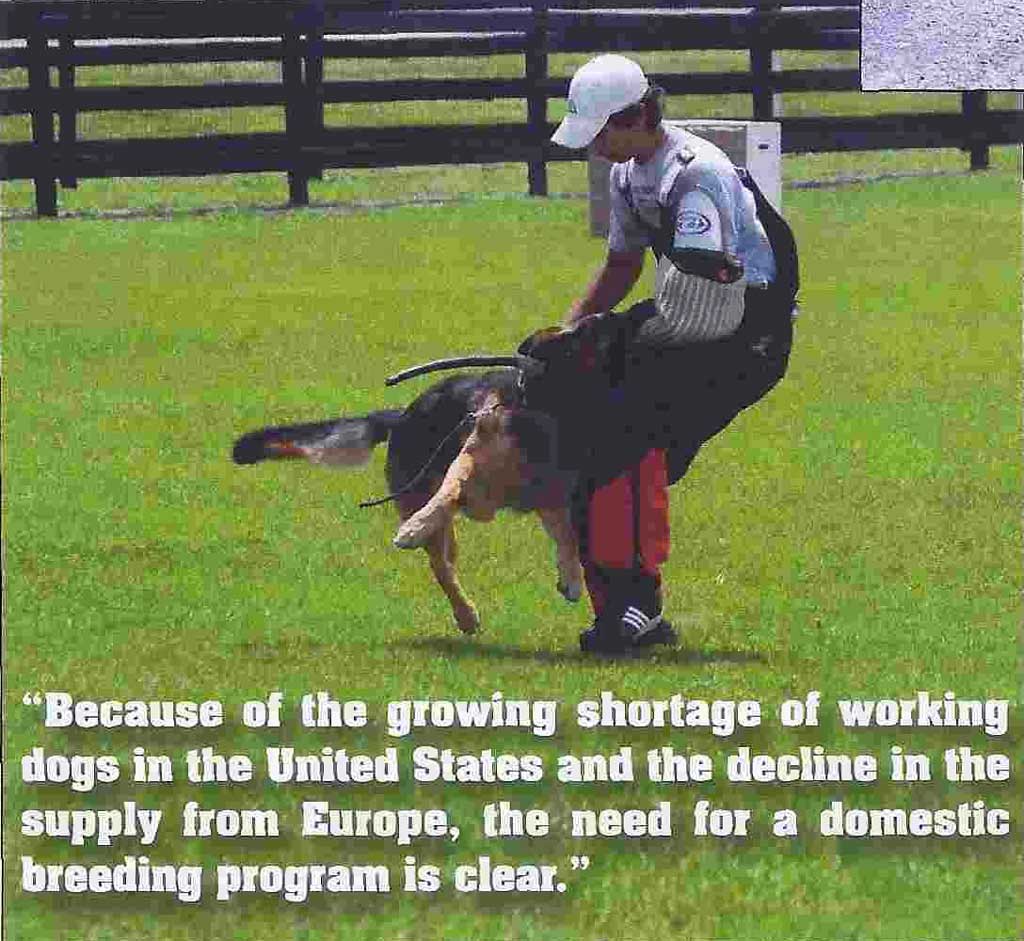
<point x="708" y="204"/>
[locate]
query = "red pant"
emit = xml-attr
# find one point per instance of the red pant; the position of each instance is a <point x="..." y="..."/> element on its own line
<point x="627" y="530"/>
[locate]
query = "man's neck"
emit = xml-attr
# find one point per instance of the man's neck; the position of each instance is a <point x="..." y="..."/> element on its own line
<point x="648" y="149"/>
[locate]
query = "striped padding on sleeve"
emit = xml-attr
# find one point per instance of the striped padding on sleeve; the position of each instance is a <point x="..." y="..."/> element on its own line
<point x="691" y="308"/>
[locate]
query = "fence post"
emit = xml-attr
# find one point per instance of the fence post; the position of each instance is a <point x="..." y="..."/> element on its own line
<point x="314" y="76"/>
<point x="42" y="122"/>
<point x="68" y="117"/>
<point x="974" y="104"/>
<point x="295" y="111"/>
<point x="537" y="98"/>
<point x="763" y="59"/>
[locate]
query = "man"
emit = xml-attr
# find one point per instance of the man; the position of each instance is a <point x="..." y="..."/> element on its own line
<point x="715" y="338"/>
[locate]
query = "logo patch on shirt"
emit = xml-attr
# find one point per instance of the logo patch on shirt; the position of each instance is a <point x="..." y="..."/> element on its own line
<point x="692" y="222"/>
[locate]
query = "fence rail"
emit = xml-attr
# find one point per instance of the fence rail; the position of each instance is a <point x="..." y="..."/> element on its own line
<point x="50" y="39"/>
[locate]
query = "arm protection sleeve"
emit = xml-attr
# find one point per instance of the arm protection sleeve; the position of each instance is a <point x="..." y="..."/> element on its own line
<point x="698" y="287"/>
<point x="692" y="308"/>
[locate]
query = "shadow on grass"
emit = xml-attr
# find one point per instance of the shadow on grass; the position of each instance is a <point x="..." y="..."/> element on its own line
<point x="464" y="647"/>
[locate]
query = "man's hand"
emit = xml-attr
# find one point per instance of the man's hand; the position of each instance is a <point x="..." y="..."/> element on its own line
<point x="612" y="283"/>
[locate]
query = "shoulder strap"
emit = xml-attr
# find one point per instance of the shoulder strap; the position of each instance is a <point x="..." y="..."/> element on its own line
<point x="684" y="157"/>
<point x="780" y="236"/>
<point x="626" y="189"/>
<point x="661" y="237"/>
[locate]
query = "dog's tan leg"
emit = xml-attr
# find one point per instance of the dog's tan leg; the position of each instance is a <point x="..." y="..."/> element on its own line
<point x="486" y="453"/>
<point x="558" y="526"/>
<point x="441" y="549"/>
<point x="440" y="509"/>
<point x="451" y="546"/>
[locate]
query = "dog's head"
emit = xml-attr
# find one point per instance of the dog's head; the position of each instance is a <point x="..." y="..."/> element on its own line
<point x="582" y="368"/>
<point x="579" y="363"/>
<point x="578" y="350"/>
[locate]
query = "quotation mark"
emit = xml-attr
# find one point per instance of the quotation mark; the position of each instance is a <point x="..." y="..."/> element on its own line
<point x="32" y="699"/>
<point x="580" y="862"/>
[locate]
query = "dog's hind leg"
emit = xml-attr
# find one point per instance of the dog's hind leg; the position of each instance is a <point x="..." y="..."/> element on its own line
<point x="441" y="549"/>
<point x="558" y="526"/>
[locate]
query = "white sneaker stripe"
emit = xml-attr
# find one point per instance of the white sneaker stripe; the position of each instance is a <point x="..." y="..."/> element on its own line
<point x="635" y="616"/>
<point x="639" y="622"/>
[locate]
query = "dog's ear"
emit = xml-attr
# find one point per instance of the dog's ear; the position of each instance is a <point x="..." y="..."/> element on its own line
<point x="596" y="332"/>
<point x="538" y="339"/>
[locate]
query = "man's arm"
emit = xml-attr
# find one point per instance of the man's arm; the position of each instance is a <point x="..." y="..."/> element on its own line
<point x="612" y="283"/>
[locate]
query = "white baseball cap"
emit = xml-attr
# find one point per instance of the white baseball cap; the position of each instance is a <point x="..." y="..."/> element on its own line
<point x="598" y="90"/>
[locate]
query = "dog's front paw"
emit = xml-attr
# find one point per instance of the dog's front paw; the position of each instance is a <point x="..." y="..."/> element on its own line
<point x="412" y="534"/>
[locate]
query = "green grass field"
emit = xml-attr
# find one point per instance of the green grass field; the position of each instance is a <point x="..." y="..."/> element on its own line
<point x="856" y="533"/>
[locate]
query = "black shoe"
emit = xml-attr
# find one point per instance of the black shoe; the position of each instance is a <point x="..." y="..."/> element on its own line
<point x="644" y="631"/>
<point x="616" y="638"/>
<point x="604" y="638"/>
<point x="664" y="633"/>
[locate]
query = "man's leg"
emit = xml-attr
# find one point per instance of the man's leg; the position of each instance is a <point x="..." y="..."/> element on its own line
<point x="624" y="539"/>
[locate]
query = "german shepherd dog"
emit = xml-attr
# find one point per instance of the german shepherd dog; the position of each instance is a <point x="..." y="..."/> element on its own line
<point x="476" y="444"/>
<point x="464" y="444"/>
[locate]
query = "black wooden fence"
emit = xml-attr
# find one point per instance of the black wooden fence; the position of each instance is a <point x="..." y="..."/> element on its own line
<point x="51" y="38"/>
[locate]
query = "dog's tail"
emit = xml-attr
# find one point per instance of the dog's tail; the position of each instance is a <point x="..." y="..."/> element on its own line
<point x="339" y="441"/>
